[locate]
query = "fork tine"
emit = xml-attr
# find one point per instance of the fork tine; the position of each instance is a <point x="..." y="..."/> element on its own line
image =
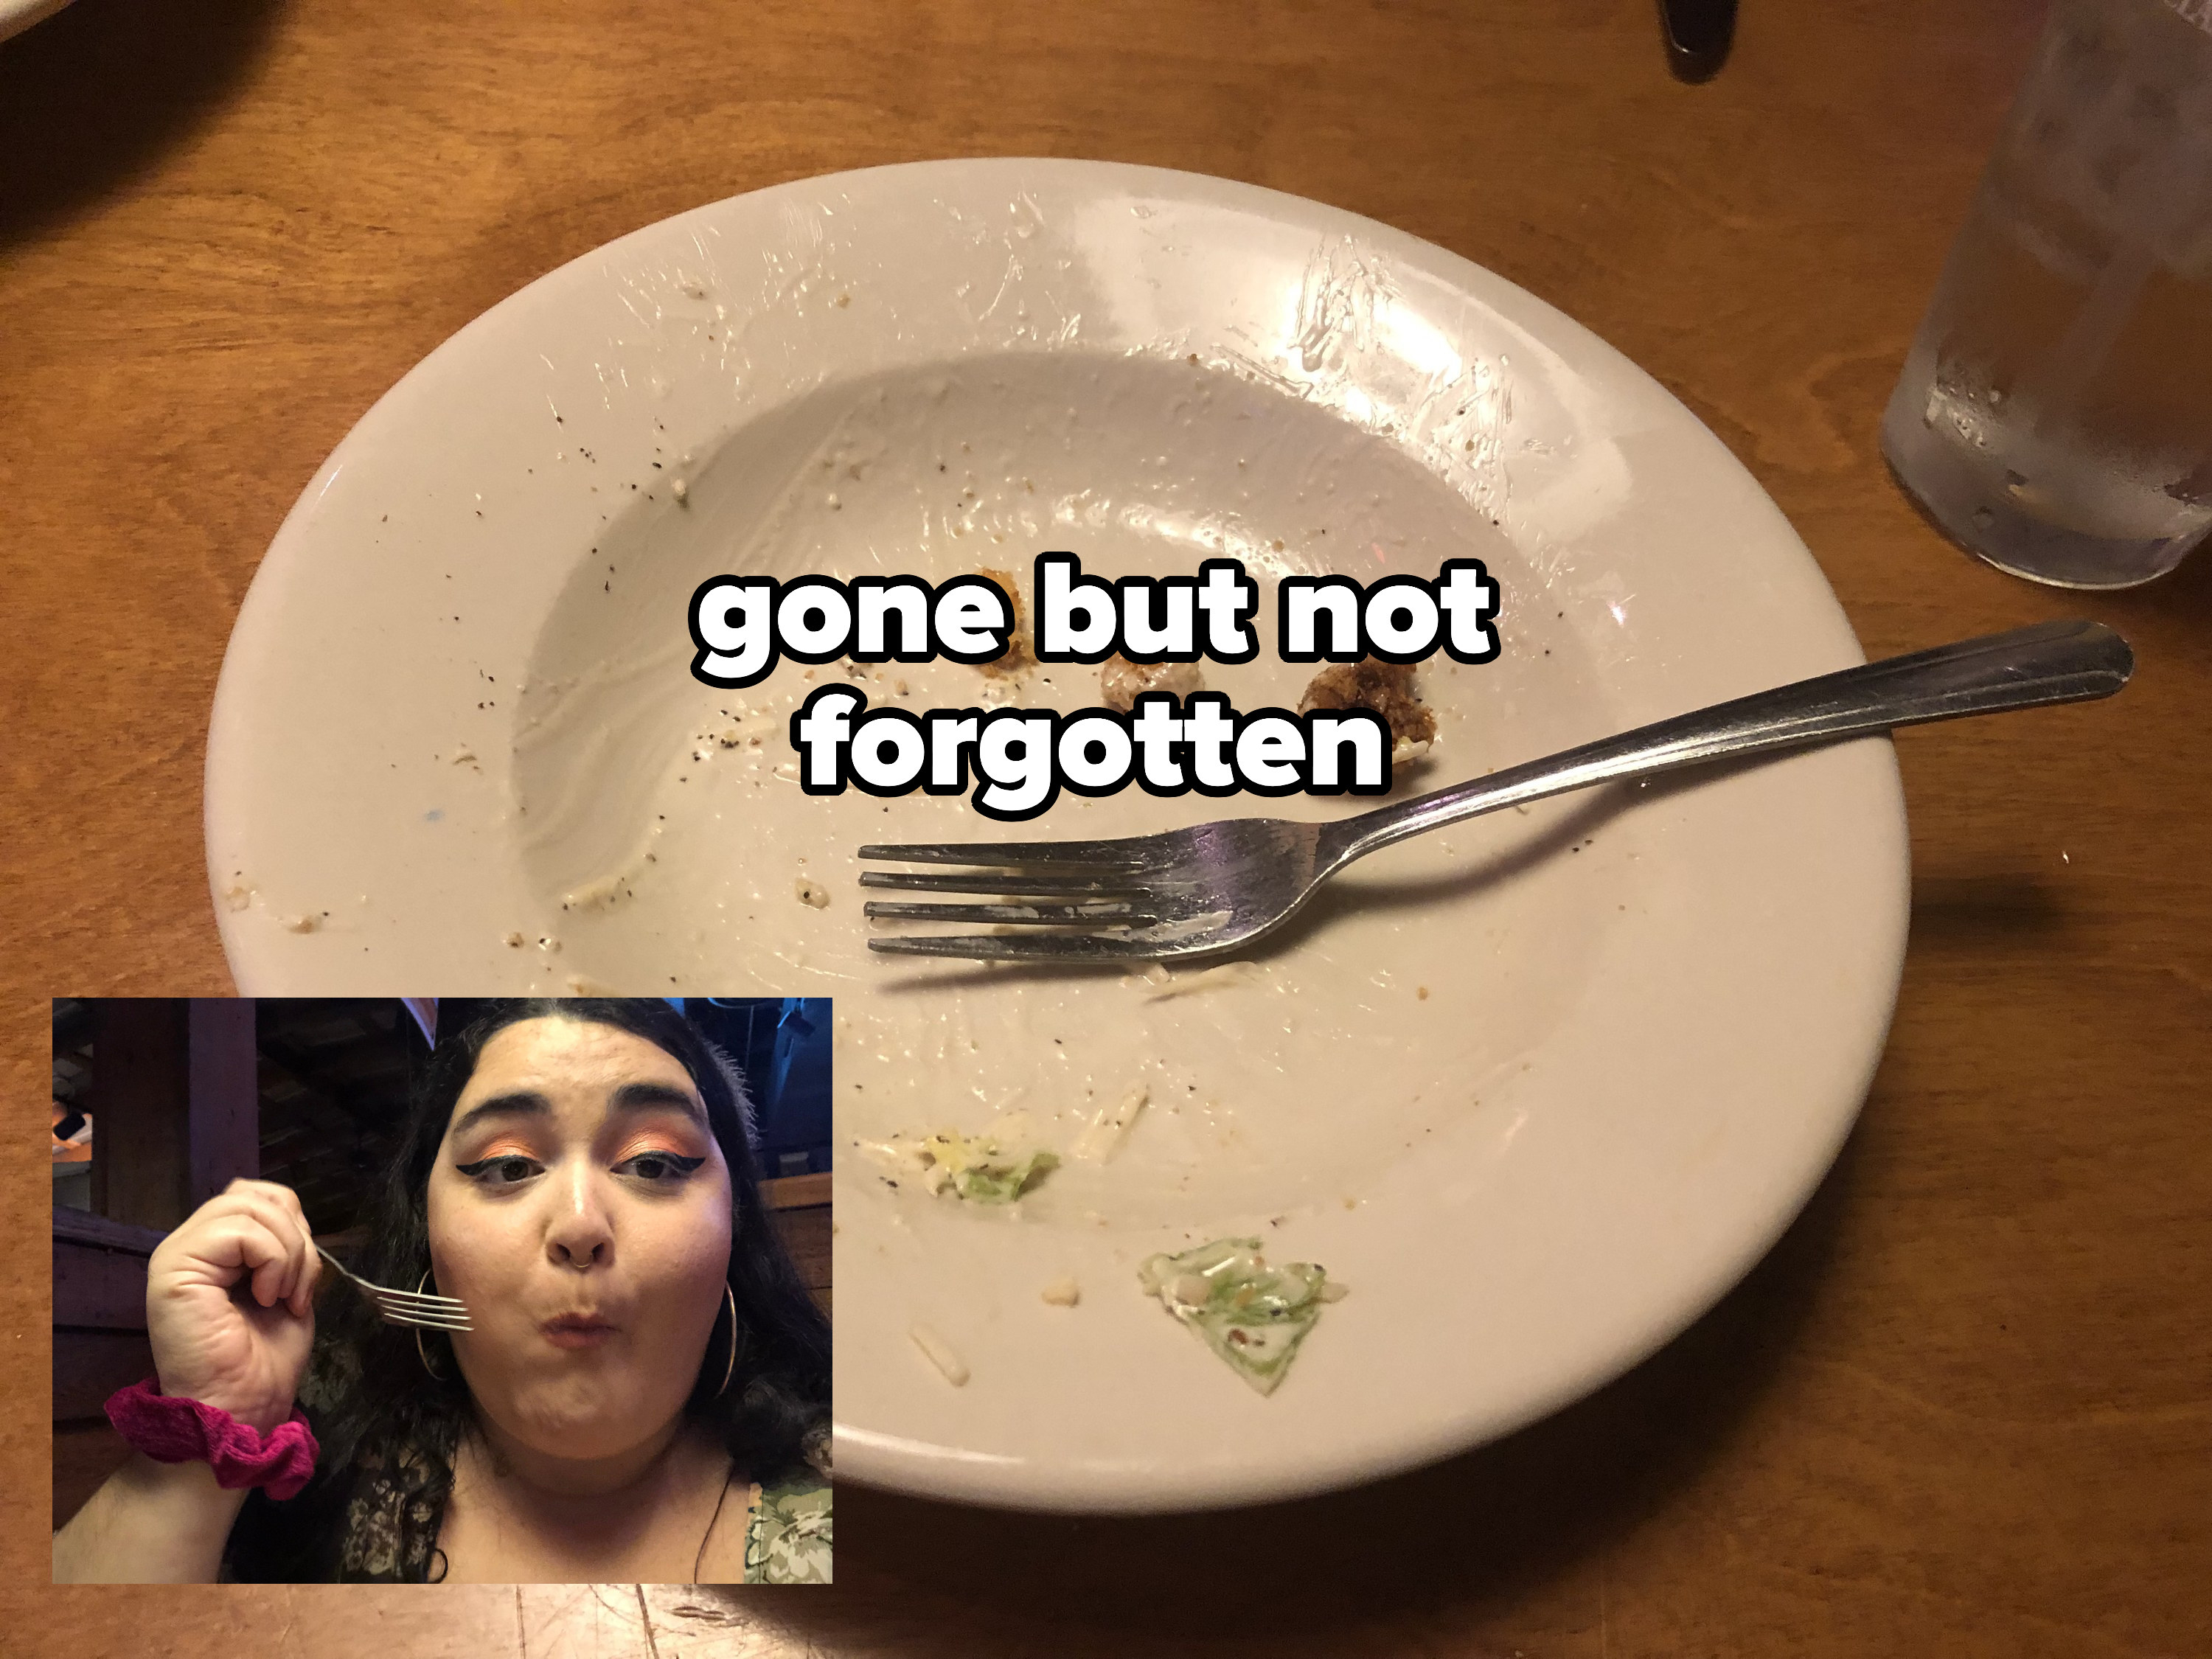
<point x="413" y="1300"/>
<point x="1031" y="947"/>
<point x="1019" y="854"/>
<point x="917" y="881"/>
<point x="1098" y="912"/>
<point x="415" y="1323"/>
<point x="402" y="1310"/>
<point x="432" y="1319"/>
<point x="420" y="1304"/>
<point x="454" y="1312"/>
<point x="436" y="1313"/>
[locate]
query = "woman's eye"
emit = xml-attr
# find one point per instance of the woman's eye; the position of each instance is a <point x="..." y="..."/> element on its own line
<point x="508" y="1171"/>
<point x="661" y="1168"/>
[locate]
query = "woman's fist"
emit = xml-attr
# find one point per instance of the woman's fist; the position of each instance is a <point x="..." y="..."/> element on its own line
<point x="230" y="1303"/>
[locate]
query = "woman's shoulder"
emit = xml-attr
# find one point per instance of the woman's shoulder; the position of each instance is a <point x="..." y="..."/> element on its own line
<point x="787" y="1537"/>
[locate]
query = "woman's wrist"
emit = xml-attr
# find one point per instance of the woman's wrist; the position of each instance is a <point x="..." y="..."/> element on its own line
<point x="181" y="1429"/>
<point x="258" y="1411"/>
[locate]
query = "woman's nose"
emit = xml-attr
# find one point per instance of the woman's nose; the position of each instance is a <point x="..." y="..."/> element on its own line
<point x="580" y="1236"/>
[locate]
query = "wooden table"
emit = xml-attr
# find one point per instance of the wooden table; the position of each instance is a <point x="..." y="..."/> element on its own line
<point x="1966" y="1409"/>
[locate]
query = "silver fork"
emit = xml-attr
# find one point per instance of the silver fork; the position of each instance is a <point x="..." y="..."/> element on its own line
<point x="435" y="1313"/>
<point x="1215" y="886"/>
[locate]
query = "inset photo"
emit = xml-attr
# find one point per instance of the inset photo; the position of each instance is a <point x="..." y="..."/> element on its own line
<point x="419" y="1290"/>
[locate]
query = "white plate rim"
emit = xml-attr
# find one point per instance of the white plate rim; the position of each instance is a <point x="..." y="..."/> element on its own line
<point x="883" y="1460"/>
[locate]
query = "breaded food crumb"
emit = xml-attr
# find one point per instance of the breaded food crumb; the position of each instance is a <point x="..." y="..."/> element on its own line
<point x="1062" y="1293"/>
<point x="1120" y="681"/>
<point x="1016" y="656"/>
<point x="1385" y="687"/>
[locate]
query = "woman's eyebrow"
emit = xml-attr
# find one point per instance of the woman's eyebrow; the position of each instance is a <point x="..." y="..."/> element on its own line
<point x="522" y="1104"/>
<point x="630" y="1098"/>
<point x="649" y="1096"/>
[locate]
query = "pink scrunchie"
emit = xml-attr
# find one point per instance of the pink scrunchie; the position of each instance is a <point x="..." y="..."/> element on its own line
<point x="169" y="1429"/>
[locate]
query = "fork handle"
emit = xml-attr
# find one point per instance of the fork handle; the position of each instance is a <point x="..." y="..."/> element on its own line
<point x="2049" y="663"/>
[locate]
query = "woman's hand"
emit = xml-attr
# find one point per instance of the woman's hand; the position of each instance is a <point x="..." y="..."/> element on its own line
<point x="230" y="1307"/>
<point x="230" y="1303"/>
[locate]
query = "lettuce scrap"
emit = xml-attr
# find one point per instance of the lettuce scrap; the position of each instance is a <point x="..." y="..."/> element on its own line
<point x="1252" y="1316"/>
<point x="975" y="1167"/>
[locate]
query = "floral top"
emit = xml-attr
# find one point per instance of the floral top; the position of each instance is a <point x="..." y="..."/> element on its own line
<point x="787" y="1539"/>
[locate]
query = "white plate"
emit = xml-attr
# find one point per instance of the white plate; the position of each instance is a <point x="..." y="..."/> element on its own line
<point x="1538" y="1089"/>
<point x="16" y="16"/>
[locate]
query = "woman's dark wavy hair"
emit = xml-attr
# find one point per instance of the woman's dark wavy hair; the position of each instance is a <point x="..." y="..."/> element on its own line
<point x="373" y="1400"/>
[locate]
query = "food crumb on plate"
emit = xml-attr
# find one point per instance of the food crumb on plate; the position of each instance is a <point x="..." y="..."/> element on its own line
<point x="1104" y="1135"/>
<point x="976" y="1167"/>
<point x="1163" y="984"/>
<point x="1062" y="1293"/>
<point x="598" y="895"/>
<point x="940" y="1354"/>
<point x="1252" y="1315"/>
<point x="1121" y="682"/>
<point x="1016" y="656"/>
<point x="301" y="924"/>
<point x="1387" y="688"/>
<point x="812" y="893"/>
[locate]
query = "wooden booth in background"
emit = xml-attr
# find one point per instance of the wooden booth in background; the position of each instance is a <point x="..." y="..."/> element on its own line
<point x="175" y="1084"/>
<point x="800" y="1205"/>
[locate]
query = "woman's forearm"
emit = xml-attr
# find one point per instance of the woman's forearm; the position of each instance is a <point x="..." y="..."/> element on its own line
<point x="151" y="1523"/>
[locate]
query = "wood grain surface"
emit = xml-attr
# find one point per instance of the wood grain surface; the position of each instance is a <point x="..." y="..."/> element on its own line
<point x="1964" y="1408"/>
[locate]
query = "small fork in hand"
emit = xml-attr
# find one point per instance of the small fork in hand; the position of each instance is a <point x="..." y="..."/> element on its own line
<point x="435" y="1313"/>
<point x="1214" y="886"/>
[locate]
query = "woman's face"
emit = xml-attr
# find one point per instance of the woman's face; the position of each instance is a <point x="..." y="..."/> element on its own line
<point x="580" y="1207"/>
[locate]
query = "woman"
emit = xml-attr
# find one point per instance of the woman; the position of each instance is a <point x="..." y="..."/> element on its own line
<point x="643" y="1394"/>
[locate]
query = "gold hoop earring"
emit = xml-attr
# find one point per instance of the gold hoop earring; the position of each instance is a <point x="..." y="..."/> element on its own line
<point x="420" y="1352"/>
<point x="731" y="1368"/>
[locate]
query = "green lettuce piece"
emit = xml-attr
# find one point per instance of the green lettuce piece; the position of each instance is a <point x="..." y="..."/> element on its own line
<point x="974" y="1167"/>
<point x="1000" y="1181"/>
<point x="1252" y="1316"/>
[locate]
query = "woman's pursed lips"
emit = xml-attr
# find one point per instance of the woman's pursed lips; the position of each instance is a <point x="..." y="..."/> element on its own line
<point x="576" y="1330"/>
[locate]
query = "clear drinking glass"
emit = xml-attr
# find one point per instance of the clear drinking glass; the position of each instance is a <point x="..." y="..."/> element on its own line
<point x="2055" y="413"/>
